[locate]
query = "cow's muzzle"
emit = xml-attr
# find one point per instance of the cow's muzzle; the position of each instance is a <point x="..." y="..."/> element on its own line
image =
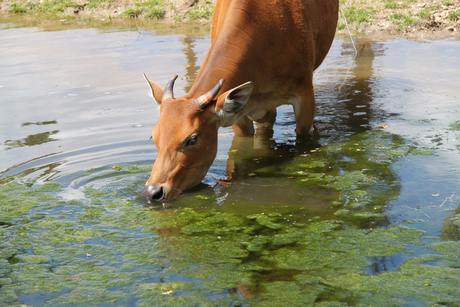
<point x="154" y="193"/>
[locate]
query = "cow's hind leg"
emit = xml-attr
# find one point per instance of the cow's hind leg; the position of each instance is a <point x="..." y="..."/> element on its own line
<point x="243" y="127"/>
<point x="304" y="109"/>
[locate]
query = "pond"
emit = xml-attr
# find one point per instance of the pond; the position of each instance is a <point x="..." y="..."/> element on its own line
<point x="366" y="213"/>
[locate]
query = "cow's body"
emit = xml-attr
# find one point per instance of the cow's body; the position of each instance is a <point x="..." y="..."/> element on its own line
<point x="274" y="44"/>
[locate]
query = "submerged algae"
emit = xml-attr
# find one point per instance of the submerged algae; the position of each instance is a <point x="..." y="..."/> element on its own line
<point x="106" y="249"/>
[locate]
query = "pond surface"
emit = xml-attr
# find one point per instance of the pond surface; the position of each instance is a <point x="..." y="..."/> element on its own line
<point x="367" y="213"/>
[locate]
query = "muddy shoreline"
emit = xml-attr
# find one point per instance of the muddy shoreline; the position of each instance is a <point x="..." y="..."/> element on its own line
<point x="437" y="19"/>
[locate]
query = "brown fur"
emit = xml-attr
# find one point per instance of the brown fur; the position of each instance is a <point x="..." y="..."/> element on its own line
<point x="276" y="44"/>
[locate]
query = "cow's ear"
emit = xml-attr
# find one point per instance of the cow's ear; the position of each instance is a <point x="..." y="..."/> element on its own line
<point x="157" y="91"/>
<point x="232" y="101"/>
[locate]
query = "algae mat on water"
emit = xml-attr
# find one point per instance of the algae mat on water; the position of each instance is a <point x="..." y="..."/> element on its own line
<point x="106" y="249"/>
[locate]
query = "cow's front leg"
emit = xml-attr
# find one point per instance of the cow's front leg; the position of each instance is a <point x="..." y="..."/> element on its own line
<point x="304" y="109"/>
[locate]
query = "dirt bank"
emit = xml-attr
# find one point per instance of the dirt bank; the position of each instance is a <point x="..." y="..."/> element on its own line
<point x="411" y="18"/>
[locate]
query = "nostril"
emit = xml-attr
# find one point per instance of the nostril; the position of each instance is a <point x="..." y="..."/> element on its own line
<point x="152" y="192"/>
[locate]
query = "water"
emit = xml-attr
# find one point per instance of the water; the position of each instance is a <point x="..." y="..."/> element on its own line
<point x="364" y="214"/>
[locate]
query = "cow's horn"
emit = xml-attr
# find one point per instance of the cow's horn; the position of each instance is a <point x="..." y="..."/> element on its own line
<point x="203" y="100"/>
<point x="169" y="93"/>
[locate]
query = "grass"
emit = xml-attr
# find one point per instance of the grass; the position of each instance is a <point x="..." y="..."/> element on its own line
<point x="359" y="13"/>
<point x="199" y="13"/>
<point x="154" y="9"/>
<point x="54" y="7"/>
<point x="393" y="4"/>
<point x="424" y="13"/>
<point x="16" y="8"/>
<point x="357" y="16"/>
<point x="454" y="16"/>
<point x="403" y="20"/>
<point x="155" y="13"/>
<point x="150" y="9"/>
<point x="96" y="3"/>
<point x="132" y="12"/>
<point x="390" y="4"/>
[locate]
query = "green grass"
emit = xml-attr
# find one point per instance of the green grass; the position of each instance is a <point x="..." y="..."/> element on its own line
<point x="152" y="9"/>
<point x="403" y="20"/>
<point x="16" y="8"/>
<point x="200" y="12"/>
<point x="396" y="4"/>
<point x="424" y="13"/>
<point x="132" y="12"/>
<point x="96" y="3"/>
<point x="155" y="13"/>
<point x="357" y="16"/>
<point x="391" y="4"/>
<point x="55" y="6"/>
<point x="454" y="16"/>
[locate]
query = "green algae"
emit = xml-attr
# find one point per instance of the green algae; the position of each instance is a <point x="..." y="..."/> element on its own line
<point x="455" y="126"/>
<point x="215" y="252"/>
<point x="107" y="249"/>
<point x="360" y="169"/>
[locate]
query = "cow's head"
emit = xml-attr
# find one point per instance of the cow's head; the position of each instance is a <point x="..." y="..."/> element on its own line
<point x="186" y="136"/>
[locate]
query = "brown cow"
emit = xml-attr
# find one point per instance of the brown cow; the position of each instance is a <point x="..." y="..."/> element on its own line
<point x="266" y="51"/>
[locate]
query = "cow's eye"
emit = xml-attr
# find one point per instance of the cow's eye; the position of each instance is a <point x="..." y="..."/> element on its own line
<point x="191" y="141"/>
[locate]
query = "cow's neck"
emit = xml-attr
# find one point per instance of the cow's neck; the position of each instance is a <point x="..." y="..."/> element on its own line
<point x="229" y="57"/>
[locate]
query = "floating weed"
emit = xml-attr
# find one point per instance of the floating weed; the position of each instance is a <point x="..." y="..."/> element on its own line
<point x="106" y="249"/>
<point x="17" y="200"/>
<point x="455" y="126"/>
<point x="360" y="169"/>
<point x="417" y="151"/>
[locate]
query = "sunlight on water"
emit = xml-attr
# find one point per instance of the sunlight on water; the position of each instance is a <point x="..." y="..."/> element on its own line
<point x="364" y="214"/>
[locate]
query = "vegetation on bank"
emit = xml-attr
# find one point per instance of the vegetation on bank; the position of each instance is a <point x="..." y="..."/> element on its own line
<point x="362" y="15"/>
<point x="175" y="10"/>
<point x="401" y="15"/>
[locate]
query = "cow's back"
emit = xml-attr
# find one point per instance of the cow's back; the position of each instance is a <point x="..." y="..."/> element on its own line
<point x="287" y="26"/>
